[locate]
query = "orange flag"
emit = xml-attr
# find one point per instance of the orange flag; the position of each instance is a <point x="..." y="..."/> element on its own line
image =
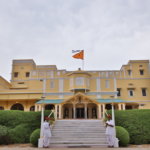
<point x="79" y="55"/>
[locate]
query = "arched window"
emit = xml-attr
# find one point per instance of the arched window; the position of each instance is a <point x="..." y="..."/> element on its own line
<point x="17" y="107"/>
<point x="1" y="108"/>
<point x="49" y="107"/>
<point x="32" y="108"/>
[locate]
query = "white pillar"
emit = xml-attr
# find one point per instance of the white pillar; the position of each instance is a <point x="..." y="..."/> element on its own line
<point x="124" y="106"/>
<point x="85" y="110"/>
<point x="113" y="116"/>
<point x="62" y="112"/>
<point x="59" y="111"/>
<point x="40" y="108"/>
<point x="40" y="141"/>
<point x="119" y="106"/>
<point x="99" y="111"/>
<point x="36" y="108"/>
<point x="42" y="120"/>
<point x="74" y="111"/>
<point x="56" y="112"/>
<point x="103" y="105"/>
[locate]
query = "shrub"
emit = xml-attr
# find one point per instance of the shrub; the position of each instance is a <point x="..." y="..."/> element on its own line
<point x="12" y="118"/>
<point x="20" y="134"/>
<point x="20" y="124"/>
<point x="34" y="137"/>
<point x="122" y="135"/>
<point x="137" y="123"/>
<point x="4" y="136"/>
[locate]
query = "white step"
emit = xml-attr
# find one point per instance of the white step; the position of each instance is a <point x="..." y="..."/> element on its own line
<point x="78" y="133"/>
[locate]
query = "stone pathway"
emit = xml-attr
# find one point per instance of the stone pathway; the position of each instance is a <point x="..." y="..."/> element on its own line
<point x="29" y="147"/>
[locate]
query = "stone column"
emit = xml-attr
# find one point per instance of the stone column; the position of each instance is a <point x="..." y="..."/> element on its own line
<point x="36" y="108"/>
<point x="124" y="106"/>
<point x="99" y="111"/>
<point x="59" y="111"/>
<point x="119" y="106"/>
<point x="62" y="112"/>
<point x="103" y="105"/>
<point x="56" y="112"/>
<point x="40" y="107"/>
<point x="74" y="111"/>
<point x="85" y="110"/>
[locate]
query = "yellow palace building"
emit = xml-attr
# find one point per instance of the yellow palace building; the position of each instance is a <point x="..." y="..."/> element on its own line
<point x="75" y="94"/>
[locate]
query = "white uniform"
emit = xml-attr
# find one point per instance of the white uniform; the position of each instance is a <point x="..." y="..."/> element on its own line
<point x="46" y="134"/>
<point x="110" y="132"/>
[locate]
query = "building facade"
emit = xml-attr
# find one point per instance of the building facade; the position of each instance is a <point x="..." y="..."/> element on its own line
<point x="75" y="94"/>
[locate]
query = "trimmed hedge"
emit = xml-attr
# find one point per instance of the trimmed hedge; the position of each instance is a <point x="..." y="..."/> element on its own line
<point x="4" y="135"/>
<point x="19" y="125"/>
<point x="34" y="137"/>
<point x="122" y="135"/>
<point x="12" y="118"/>
<point x="136" y="122"/>
<point x="20" y="134"/>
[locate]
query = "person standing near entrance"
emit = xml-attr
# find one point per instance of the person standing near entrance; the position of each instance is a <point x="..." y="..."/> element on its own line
<point x="110" y="131"/>
<point x="46" y="133"/>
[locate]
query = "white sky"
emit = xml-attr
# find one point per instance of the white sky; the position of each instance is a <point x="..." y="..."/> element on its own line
<point x="110" y="31"/>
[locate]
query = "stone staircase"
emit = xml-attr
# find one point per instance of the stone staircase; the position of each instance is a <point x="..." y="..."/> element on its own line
<point x="78" y="133"/>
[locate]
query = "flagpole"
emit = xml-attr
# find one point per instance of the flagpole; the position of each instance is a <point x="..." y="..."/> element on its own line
<point x="82" y="64"/>
<point x="83" y="60"/>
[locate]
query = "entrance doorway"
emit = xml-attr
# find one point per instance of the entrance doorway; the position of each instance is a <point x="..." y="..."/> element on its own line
<point x="80" y="113"/>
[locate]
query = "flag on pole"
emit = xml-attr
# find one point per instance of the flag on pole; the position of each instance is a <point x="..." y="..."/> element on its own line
<point x="79" y="54"/>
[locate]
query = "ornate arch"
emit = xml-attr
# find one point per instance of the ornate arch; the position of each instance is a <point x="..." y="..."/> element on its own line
<point x="1" y="108"/>
<point x="17" y="106"/>
<point x="79" y="98"/>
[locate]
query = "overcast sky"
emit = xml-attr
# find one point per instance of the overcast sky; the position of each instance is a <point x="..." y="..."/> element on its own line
<point x="111" y="32"/>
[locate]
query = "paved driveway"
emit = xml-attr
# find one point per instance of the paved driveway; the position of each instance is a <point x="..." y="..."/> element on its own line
<point x="29" y="147"/>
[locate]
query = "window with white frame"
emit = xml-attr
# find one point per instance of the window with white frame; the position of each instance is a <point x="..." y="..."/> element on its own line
<point x="129" y="72"/>
<point x="141" y="72"/>
<point x="16" y="74"/>
<point x="131" y="93"/>
<point x="107" y="83"/>
<point x="119" y="92"/>
<point x="143" y="91"/>
<point x="79" y="81"/>
<point x="27" y="74"/>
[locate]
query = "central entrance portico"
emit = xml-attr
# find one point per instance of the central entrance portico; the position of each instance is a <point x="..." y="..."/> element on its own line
<point x="79" y="107"/>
